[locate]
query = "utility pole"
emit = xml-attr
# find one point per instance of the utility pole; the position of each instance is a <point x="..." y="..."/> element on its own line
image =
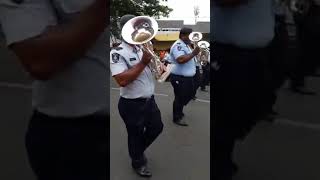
<point x="196" y="11"/>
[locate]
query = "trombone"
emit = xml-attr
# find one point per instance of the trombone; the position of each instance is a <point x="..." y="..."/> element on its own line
<point x="139" y="31"/>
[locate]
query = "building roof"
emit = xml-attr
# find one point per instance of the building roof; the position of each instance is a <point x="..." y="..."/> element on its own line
<point x="170" y="23"/>
<point x="200" y="26"/>
<point x="203" y="27"/>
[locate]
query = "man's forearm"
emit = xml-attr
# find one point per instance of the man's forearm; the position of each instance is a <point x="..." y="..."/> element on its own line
<point x="130" y="75"/>
<point x="60" y="45"/>
<point x="185" y="58"/>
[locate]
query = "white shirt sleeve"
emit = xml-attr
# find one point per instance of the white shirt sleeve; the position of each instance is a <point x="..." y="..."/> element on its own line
<point x="117" y="63"/>
<point x="23" y="21"/>
<point x="177" y="51"/>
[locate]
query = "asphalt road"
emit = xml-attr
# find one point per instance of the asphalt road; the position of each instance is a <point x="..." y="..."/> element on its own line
<point x="15" y="110"/>
<point x="288" y="148"/>
<point x="179" y="152"/>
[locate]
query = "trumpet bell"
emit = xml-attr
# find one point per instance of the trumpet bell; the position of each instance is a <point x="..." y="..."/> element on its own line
<point x="203" y="44"/>
<point x="195" y="36"/>
<point x="139" y="30"/>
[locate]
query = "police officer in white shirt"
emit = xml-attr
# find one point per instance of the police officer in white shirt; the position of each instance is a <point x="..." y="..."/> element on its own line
<point x="62" y="46"/>
<point x="197" y="76"/>
<point x="182" y="74"/>
<point x="137" y="106"/>
<point x="205" y="76"/>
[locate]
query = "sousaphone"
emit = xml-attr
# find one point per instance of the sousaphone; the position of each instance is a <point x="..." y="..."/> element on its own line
<point x="141" y="30"/>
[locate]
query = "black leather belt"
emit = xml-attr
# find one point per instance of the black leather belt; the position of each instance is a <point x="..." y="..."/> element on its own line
<point x="139" y="99"/>
<point x="181" y="76"/>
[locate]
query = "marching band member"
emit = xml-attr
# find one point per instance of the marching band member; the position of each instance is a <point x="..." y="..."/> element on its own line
<point x="182" y="75"/>
<point x="205" y="77"/>
<point x="137" y="106"/>
<point x="198" y="76"/>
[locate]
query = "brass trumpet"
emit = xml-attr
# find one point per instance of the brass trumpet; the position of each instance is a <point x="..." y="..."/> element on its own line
<point x="195" y="38"/>
<point x="139" y="31"/>
<point x="204" y="52"/>
<point x="300" y="6"/>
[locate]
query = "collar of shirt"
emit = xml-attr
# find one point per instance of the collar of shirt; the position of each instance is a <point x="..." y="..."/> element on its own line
<point x="182" y="43"/>
<point x="185" y="45"/>
<point x="134" y="48"/>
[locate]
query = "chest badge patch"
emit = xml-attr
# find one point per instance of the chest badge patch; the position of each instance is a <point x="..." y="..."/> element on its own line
<point x="115" y="57"/>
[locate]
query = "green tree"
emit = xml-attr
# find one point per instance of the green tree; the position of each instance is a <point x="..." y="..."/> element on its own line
<point x="136" y="7"/>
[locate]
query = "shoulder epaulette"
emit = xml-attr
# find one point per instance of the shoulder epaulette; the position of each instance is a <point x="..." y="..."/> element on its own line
<point x="118" y="48"/>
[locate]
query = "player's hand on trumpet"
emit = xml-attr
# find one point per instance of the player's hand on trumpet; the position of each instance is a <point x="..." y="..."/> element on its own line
<point x="163" y="68"/>
<point x="147" y="56"/>
<point x="196" y="51"/>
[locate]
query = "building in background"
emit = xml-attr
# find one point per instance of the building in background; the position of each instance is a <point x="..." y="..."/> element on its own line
<point x="169" y="32"/>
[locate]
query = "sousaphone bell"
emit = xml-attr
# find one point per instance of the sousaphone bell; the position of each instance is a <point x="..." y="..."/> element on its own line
<point x="141" y="30"/>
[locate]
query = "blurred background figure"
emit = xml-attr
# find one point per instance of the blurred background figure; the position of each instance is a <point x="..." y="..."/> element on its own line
<point x="306" y="15"/>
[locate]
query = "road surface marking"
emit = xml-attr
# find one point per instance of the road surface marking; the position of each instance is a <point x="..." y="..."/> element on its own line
<point x="313" y="126"/>
<point x="157" y="94"/>
<point x="166" y="95"/>
<point x="202" y="100"/>
<point x="15" y="85"/>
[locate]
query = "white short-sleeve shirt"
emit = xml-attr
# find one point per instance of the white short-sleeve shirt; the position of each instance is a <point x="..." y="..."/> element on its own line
<point x="123" y="58"/>
<point x="187" y="69"/>
<point x="80" y="89"/>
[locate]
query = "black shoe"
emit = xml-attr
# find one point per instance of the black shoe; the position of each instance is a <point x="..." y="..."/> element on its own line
<point x="143" y="171"/>
<point x="302" y="91"/>
<point x="180" y="122"/>
<point x="178" y="117"/>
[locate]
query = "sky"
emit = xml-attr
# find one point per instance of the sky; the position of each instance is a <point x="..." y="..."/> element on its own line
<point x="183" y="10"/>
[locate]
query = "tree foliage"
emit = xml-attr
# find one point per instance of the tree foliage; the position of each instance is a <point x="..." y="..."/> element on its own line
<point x="136" y="7"/>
